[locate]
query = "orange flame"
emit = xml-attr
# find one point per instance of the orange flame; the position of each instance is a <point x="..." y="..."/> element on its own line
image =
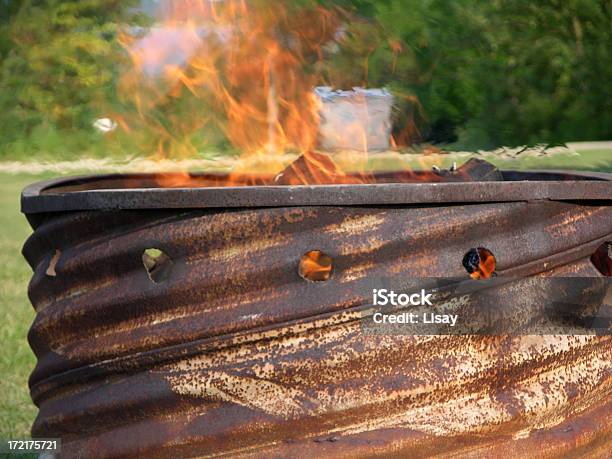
<point x="245" y="68"/>
<point x="250" y="67"/>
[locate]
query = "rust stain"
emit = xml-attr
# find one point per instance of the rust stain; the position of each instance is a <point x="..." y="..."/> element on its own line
<point x="352" y="225"/>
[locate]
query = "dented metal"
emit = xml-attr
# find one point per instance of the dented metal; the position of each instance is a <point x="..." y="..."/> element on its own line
<point x="233" y="352"/>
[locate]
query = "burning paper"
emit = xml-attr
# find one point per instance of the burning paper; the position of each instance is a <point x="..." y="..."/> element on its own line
<point x="354" y="120"/>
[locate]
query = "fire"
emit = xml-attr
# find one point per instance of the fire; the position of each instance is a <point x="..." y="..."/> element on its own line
<point x="251" y="69"/>
<point x="247" y="70"/>
<point x="315" y="266"/>
<point x="317" y="168"/>
<point x="480" y="263"/>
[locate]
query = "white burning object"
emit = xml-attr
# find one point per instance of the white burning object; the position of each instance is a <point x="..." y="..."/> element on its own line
<point x="354" y="120"/>
<point x="105" y="125"/>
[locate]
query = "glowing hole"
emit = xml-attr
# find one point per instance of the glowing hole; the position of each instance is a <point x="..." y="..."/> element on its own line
<point x="53" y="264"/>
<point x="602" y="259"/>
<point x="157" y="264"/>
<point x="315" y="266"/>
<point x="479" y="263"/>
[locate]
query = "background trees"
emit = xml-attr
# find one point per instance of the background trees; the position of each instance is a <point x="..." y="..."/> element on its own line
<point x="502" y="72"/>
<point x="58" y="62"/>
<point x="466" y="73"/>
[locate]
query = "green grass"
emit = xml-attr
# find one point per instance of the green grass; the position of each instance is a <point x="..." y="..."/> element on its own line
<point x="17" y="361"/>
<point x="591" y="160"/>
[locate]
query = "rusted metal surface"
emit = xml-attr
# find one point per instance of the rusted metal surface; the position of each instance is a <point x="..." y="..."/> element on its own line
<point x="142" y="191"/>
<point x="235" y="353"/>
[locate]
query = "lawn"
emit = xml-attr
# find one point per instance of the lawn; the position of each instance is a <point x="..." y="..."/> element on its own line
<point x="16" y="360"/>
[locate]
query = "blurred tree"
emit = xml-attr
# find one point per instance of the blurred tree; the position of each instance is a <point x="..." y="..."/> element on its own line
<point x="467" y="73"/>
<point x="494" y="73"/>
<point x="58" y="58"/>
<point x="549" y="67"/>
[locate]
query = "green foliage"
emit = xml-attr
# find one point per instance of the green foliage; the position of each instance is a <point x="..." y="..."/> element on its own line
<point x="58" y="61"/>
<point x="502" y="72"/>
<point x="468" y="73"/>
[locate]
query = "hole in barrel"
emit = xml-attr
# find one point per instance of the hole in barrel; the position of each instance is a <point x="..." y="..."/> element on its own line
<point x="602" y="259"/>
<point x="480" y="263"/>
<point x="158" y="264"/>
<point x="315" y="266"/>
<point x="51" y="272"/>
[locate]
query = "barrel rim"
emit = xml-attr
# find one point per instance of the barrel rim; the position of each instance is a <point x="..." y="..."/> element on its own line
<point x="520" y="186"/>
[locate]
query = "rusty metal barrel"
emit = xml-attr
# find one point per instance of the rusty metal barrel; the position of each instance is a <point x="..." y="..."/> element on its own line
<point x="174" y="322"/>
